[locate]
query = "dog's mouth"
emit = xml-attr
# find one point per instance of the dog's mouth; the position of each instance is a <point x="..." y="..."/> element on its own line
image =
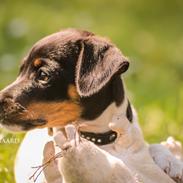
<point x="15" y="117"/>
<point x="22" y="125"/>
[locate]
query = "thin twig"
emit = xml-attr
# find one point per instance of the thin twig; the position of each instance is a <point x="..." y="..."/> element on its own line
<point x="42" y="167"/>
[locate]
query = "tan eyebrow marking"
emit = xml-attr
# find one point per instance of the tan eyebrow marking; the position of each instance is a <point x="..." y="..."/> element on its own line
<point x="72" y="92"/>
<point x="37" y="62"/>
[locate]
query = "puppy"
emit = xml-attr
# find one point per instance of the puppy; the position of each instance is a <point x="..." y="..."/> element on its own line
<point x="70" y="76"/>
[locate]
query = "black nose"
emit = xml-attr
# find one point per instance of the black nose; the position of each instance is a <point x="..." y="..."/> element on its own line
<point x="4" y="97"/>
<point x="1" y="107"/>
<point x="1" y="104"/>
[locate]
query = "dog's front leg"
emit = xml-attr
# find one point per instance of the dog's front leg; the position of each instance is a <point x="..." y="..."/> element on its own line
<point x="174" y="146"/>
<point x="84" y="162"/>
<point x="51" y="172"/>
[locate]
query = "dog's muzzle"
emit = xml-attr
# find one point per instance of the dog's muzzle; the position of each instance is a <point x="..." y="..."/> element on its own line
<point x="15" y="117"/>
<point x="9" y="109"/>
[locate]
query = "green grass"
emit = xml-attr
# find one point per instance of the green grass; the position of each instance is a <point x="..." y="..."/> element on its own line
<point x="148" y="32"/>
<point x="9" y="145"/>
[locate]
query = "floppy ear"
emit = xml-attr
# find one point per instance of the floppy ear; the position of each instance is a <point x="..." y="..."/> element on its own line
<point x="98" y="62"/>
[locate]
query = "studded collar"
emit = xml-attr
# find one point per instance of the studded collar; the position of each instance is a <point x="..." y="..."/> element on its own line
<point x="100" y="138"/>
<point x="97" y="138"/>
<point x="124" y="113"/>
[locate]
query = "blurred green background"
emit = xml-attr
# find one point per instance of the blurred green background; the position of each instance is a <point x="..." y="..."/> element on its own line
<point x="150" y="33"/>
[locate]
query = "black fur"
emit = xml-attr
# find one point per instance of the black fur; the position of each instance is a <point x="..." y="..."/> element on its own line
<point x="129" y="113"/>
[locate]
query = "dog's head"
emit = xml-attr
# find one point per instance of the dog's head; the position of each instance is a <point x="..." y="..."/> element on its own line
<point x="59" y="80"/>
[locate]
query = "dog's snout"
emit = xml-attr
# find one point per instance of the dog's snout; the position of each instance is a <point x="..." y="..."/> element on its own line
<point x="4" y="97"/>
<point x="1" y="106"/>
<point x="1" y="102"/>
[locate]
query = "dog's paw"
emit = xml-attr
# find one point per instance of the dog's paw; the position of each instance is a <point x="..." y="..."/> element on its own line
<point x="62" y="142"/>
<point x="174" y="146"/>
<point x="51" y="172"/>
<point x="167" y="162"/>
<point x="68" y="141"/>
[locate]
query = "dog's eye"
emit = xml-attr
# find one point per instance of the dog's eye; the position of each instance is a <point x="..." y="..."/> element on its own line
<point x="43" y="76"/>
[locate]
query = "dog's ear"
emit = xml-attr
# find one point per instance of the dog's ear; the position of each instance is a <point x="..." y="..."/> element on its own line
<point x="98" y="62"/>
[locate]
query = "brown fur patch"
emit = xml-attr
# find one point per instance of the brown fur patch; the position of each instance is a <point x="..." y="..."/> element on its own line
<point x="37" y="62"/>
<point x="72" y="92"/>
<point x="56" y="113"/>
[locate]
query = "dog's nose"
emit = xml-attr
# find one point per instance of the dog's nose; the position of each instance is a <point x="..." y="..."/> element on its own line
<point x="1" y="102"/>
<point x="3" y="98"/>
<point x="1" y="107"/>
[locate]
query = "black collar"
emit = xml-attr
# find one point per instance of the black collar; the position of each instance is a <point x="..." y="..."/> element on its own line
<point x="100" y="138"/>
